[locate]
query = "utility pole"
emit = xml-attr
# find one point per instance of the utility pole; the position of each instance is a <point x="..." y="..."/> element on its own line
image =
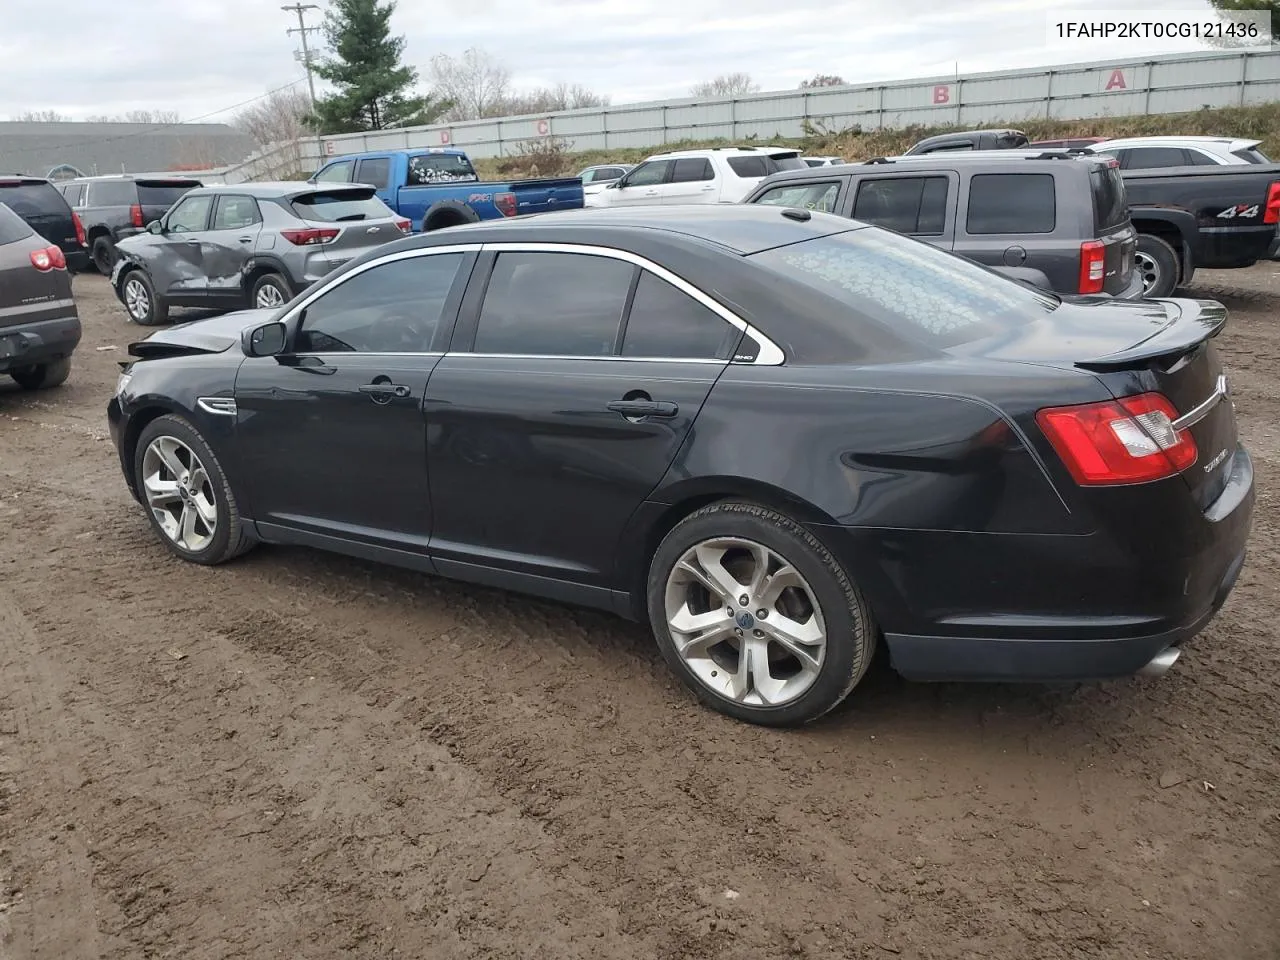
<point x="302" y="30"/>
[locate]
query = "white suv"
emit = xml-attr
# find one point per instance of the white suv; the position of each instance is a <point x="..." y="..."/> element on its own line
<point x="717" y="175"/>
<point x="1148" y="153"/>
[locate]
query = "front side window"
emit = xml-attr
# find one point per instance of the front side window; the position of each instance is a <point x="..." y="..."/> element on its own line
<point x="190" y="215"/>
<point x="394" y="307"/>
<point x="553" y="304"/>
<point x="336" y="172"/>
<point x="808" y="196"/>
<point x="666" y="322"/>
<point x="909" y="285"/>
<point x="914" y="205"/>
<point x="1011" y="203"/>
<point x="649" y="174"/>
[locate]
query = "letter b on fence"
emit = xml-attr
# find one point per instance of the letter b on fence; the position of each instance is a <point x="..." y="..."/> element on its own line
<point x="942" y="94"/>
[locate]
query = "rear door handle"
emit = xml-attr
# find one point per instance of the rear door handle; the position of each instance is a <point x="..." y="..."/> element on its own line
<point x="193" y="243"/>
<point x="644" y="408"/>
<point x="385" y="389"/>
<point x="246" y="239"/>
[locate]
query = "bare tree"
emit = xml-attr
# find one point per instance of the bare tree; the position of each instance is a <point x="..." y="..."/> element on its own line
<point x="725" y="85"/>
<point x="823" y="80"/>
<point x="476" y="84"/>
<point x="563" y="96"/>
<point x="41" y="116"/>
<point x="278" y="117"/>
<point x="160" y="118"/>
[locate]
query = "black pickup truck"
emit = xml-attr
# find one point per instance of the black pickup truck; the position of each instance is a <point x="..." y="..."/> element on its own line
<point x="1216" y="217"/>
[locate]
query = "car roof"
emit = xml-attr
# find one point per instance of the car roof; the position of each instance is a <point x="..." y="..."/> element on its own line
<point x="1174" y="141"/>
<point x="742" y="229"/>
<point x="966" y="158"/>
<point x="278" y="188"/>
<point x="750" y="151"/>
<point x="12" y="178"/>
<point x="133" y="177"/>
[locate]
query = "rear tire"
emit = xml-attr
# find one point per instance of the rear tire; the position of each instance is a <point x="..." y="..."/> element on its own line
<point x="1158" y="264"/>
<point x="204" y="524"/>
<point x="46" y="375"/>
<point x="805" y="595"/>
<point x="269" y="292"/>
<point x="104" y="255"/>
<point x="142" y="304"/>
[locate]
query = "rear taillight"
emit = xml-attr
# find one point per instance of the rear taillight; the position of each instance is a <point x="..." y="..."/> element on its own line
<point x="50" y="258"/>
<point x="135" y="215"/>
<point x="1272" y="213"/>
<point x="79" y="225"/>
<point x="405" y="226"/>
<point x="310" y="237"/>
<point x="1131" y="440"/>
<point x="506" y="203"/>
<point x="1093" y="256"/>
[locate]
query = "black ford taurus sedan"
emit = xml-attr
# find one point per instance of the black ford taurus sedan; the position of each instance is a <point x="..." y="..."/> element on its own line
<point x="778" y="437"/>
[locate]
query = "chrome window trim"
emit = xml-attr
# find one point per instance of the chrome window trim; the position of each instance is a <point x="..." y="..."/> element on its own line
<point x="310" y="298"/>
<point x="562" y="356"/>
<point x="770" y="354"/>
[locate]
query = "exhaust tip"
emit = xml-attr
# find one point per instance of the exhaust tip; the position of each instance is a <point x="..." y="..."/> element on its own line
<point x="1161" y="663"/>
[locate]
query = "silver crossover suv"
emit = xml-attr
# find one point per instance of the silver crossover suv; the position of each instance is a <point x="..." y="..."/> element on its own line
<point x="248" y="245"/>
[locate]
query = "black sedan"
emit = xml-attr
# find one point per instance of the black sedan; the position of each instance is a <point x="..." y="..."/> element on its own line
<point x="778" y="437"/>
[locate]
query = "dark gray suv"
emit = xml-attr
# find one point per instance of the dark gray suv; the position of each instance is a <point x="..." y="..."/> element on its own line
<point x="1057" y="220"/>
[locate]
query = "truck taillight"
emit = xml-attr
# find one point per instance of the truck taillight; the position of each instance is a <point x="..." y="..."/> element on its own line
<point x="311" y="237"/>
<point x="1130" y="440"/>
<point x="1272" y="213"/>
<point x="1093" y="255"/>
<point x="79" y="225"/>
<point x="135" y="215"/>
<point x="50" y="258"/>
<point x="506" y="203"/>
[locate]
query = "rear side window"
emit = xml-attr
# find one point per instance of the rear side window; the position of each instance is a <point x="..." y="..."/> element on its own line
<point x="29" y="200"/>
<point x="376" y="171"/>
<point x="112" y="193"/>
<point x="12" y="226"/>
<point x="910" y="286"/>
<point x="748" y="167"/>
<point x="338" y="206"/>
<point x="808" y="196"/>
<point x="162" y="194"/>
<point x="1110" y="207"/>
<point x="553" y="304"/>
<point x="786" y="161"/>
<point x="692" y="169"/>
<point x="1251" y="155"/>
<point x="440" y="168"/>
<point x="1012" y="203"/>
<point x="666" y="322"/>
<point x="915" y="205"/>
<point x="1152" y="158"/>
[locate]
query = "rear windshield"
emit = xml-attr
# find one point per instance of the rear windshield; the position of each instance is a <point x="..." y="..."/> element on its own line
<point x="909" y="286"/>
<point x="440" y="168"/>
<point x="37" y="199"/>
<point x="789" y="161"/>
<point x="159" y="194"/>
<point x="1251" y="155"/>
<point x="340" y="205"/>
<point x="12" y="226"/>
<point x="1110" y="208"/>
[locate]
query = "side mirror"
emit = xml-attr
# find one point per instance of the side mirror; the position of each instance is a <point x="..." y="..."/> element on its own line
<point x="155" y="226"/>
<point x="265" y="341"/>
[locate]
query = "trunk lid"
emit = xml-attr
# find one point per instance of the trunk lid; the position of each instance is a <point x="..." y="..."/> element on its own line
<point x="27" y="295"/>
<point x="546" y="195"/>
<point x="1132" y="347"/>
<point x="362" y="220"/>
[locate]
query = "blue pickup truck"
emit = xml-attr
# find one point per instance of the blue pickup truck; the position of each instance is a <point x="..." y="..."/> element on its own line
<point x="438" y="187"/>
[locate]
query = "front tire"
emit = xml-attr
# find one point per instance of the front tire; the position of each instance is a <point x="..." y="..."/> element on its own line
<point x="1158" y="264"/>
<point x="270" y="292"/>
<point x="187" y="497"/>
<point x="104" y="255"/>
<point x="756" y="616"/>
<point x="142" y="304"/>
<point x="46" y="375"/>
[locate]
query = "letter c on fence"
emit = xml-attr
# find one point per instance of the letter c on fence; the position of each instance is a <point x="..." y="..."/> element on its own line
<point x="942" y="94"/>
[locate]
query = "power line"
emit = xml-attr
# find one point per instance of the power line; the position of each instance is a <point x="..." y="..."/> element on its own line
<point x="153" y="128"/>
<point x="302" y="30"/>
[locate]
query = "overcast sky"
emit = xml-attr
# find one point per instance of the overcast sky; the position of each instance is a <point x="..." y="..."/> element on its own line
<point x="202" y="56"/>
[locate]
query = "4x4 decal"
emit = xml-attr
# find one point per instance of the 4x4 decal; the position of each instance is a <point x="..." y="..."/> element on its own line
<point x="1239" y="210"/>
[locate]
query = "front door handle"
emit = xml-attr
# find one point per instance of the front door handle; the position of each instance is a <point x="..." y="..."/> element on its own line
<point x="644" y="408"/>
<point x="246" y="239"/>
<point x="193" y="243"/>
<point x="385" y="390"/>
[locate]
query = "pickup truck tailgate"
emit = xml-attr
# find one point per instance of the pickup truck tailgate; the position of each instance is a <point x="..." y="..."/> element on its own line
<point x="544" y="196"/>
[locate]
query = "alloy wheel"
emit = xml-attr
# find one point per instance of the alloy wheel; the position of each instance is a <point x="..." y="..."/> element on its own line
<point x="745" y="622"/>
<point x="179" y="493"/>
<point x="136" y="299"/>
<point x="1148" y="269"/>
<point x="268" y="297"/>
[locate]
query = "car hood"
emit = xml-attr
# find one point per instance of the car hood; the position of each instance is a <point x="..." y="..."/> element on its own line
<point x="213" y="335"/>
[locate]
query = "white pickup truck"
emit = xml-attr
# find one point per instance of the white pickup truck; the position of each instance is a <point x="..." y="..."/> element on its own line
<point x="716" y="175"/>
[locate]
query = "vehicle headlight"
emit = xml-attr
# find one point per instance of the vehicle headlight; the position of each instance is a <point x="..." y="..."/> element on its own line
<point x="122" y="382"/>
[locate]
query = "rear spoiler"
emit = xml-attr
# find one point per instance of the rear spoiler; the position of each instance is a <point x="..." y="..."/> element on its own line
<point x="1191" y="323"/>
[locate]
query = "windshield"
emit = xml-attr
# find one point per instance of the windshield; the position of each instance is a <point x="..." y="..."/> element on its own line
<point x="910" y="286"/>
<point x="440" y="168"/>
<point x="341" y="205"/>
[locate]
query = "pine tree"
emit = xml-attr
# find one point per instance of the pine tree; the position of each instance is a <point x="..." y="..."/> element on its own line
<point x="1271" y="7"/>
<point x="373" y="88"/>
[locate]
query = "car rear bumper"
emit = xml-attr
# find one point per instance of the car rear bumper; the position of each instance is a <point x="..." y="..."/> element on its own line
<point x="1065" y="633"/>
<point x="43" y="341"/>
<point x="77" y="260"/>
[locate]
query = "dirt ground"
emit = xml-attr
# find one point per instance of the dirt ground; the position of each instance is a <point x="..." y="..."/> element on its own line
<point x="304" y="756"/>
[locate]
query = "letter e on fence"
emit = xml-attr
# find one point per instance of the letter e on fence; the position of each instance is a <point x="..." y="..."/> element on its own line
<point x="328" y="148"/>
<point x="942" y="93"/>
<point x="1116" y="82"/>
